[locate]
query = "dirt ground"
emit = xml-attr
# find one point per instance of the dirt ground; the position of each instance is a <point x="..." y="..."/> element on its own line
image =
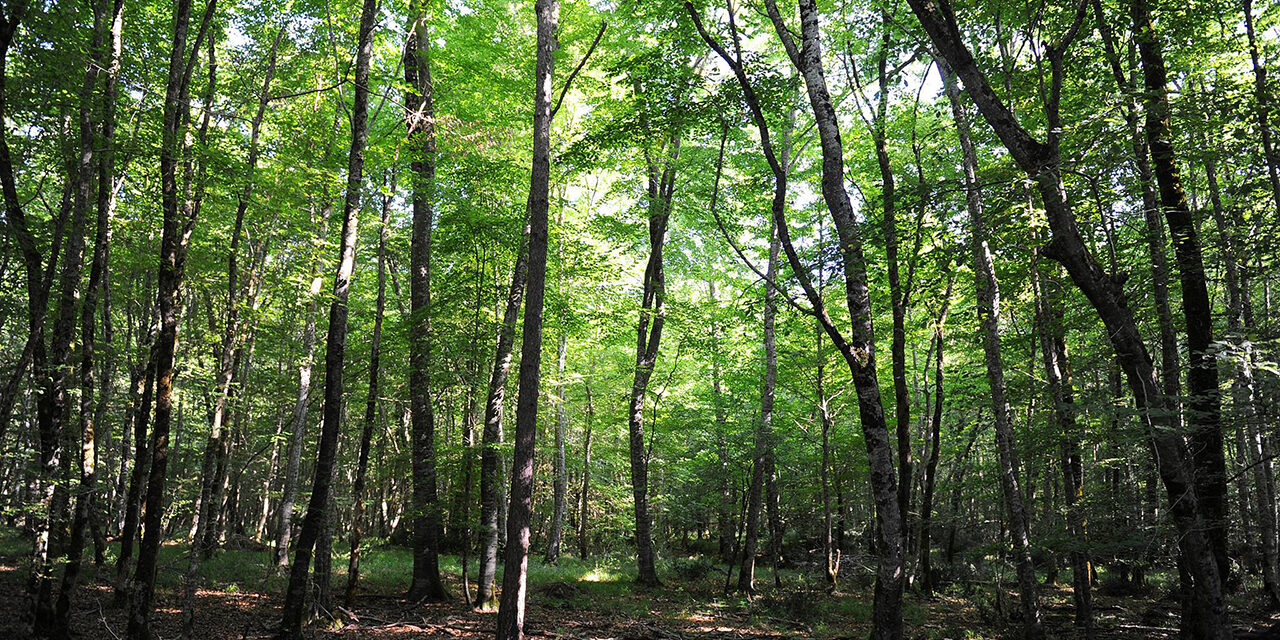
<point x="567" y="610"/>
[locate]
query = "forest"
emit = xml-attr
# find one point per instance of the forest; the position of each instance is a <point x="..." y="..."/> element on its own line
<point x="615" y="319"/>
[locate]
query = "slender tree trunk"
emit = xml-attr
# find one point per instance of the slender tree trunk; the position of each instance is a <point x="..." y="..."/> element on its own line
<point x="217" y="449"/>
<point x="762" y="465"/>
<point x="898" y="294"/>
<point x="472" y="417"/>
<point x="561" y="482"/>
<point x="370" y="408"/>
<point x="1204" y="407"/>
<point x="1253" y="444"/>
<point x="106" y="209"/>
<point x="53" y="405"/>
<point x="857" y="352"/>
<point x="1154" y="228"/>
<point x="490" y="480"/>
<point x="1262" y="105"/>
<point x="1259" y="455"/>
<point x="1053" y="348"/>
<point x="724" y="514"/>
<point x="562" y="423"/>
<point x="514" y="579"/>
<point x="180" y="214"/>
<point x="33" y="353"/>
<point x="87" y="437"/>
<point x="584" y="495"/>
<point x="988" y="295"/>
<point x="138" y="475"/>
<point x="297" y="434"/>
<point x="273" y="470"/>
<point x="1040" y="160"/>
<point x="661" y="187"/>
<point x="420" y="120"/>
<point x="336" y="342"/>
<point x="935" y="442"/>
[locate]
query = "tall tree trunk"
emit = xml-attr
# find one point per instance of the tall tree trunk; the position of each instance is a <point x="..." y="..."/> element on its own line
<point x="370" y="406"/>
<point x="1053" y="347"/>
<point x="857" y="352"/>
<point x="762" y="465"/>
<point x="988" y="296"/>
<point x="180" y="213"/>
<point x="562" y="422"/>
<point x="336" y="341"/>
<point x="87" y="175"/>
<point x="1204" y="407"/>
<point x="144" y="390"/>
<point x="1262" y="105"/>
<point x="297" y="434"/>
<point x="514" y="584"/>
<point x="469" y="442"/>
<point x="1040" y="160"/>
<point x="898" y="294"/>
<point x="53" y="404"/>
<point x="724" y="514"/>
<point x="930" y="480"/>
<point x="1170" y="375"/>
<point x="584" y="495"/>
<point x="561" y="481"/>
<point x="420" y="120"/>
<point x="490" y="460"/>
<point x="661" y="172"/>
<point x="217" y="449"/>
<point x="1254" y="446"/>
<point x="15" y="218"/>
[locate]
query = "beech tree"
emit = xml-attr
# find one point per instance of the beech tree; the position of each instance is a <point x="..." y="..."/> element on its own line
<point x="893" y="319"/>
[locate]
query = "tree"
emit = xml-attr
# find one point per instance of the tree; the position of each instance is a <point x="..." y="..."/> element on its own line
<point x="420" y="120"/>
<point x="514" y="578"/>
<point x="1040" y="160"/>
<point x="988" y="297"/>
<point x="335" y="350"/>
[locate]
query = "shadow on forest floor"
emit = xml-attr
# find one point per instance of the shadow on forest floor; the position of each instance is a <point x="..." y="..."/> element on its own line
<point x="239" y="599"/>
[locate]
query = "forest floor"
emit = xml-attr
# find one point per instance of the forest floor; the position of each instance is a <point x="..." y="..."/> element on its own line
<point x="239" y="599"/>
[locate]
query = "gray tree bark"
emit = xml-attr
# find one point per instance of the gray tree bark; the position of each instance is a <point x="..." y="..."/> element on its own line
<point x="514" y="584"/>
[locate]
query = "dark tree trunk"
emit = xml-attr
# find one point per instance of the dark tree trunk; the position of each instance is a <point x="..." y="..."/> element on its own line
<point x="15" y="217"/>
<point x="1154" y="228"/>
<point x="898" y="294"/>
<point x="514" y="584"/>
<point x="420" y="120"/>
<point x="857" y="352"/>
<point x="336" y="342"/>
<point x="144" y="388"/>
<point x="370" y="408"/>
<point x="180" y="213"/>
<point x="489" y="458"/>
<point x="1053" y="347"/>
<point x="1041" y="161"/>
<point x="930" y="480"/>
<point x="87" y="443"/>
<point x="1262" y="105"/>
<point x="1204" y="409"/>
<point x="53" y="411"/>
<point x="988" y="297"/>
<point x="661" y="173"/>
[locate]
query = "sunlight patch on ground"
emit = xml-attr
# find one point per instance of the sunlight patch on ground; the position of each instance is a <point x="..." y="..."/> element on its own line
<point x="598" y="575"/>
